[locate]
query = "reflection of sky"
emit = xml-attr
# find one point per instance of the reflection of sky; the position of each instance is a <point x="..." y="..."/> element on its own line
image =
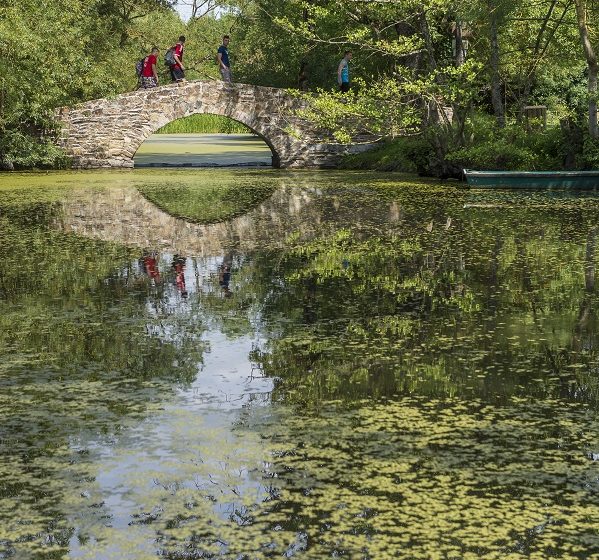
<point x="183" y="447"/>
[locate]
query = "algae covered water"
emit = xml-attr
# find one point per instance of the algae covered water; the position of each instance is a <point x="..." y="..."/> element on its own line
<point x="203" y="150"/>
<point x="261" y="364"/>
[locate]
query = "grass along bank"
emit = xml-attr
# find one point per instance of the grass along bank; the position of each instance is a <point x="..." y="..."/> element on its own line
<point x="204" y="124"/>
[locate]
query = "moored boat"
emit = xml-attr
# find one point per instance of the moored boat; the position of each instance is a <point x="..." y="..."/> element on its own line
<point x="533" y="179"/>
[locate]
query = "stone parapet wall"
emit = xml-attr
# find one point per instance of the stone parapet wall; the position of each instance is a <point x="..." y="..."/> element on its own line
<point x="108" y="132"/>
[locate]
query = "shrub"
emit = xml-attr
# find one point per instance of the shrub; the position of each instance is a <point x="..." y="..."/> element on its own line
<point x="483" y="145"/>
<point x="496" y="154"/>
<point x="589" y="159"/>
<point x="19" y="150"/>
<point x="410" y="155"/>
<point x="488" y="146"/>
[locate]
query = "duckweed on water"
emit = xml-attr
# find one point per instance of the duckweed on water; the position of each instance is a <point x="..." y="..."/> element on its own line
<point x="385" y="371"/>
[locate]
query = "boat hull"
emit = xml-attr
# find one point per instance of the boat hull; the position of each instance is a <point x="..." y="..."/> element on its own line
<point x="533" y="179"/>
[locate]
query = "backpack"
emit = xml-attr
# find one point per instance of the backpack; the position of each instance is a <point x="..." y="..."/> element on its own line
<point x="139" y="66"/>
<point x="169" y="57"/>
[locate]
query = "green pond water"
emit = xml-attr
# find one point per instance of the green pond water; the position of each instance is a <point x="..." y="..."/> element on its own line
<point x="347" y="366"/>
<point x="203" y="150"/>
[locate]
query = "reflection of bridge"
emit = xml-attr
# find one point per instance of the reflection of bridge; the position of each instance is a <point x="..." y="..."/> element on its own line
<point x="123" y="215"/>
<point x="108" y="132"/>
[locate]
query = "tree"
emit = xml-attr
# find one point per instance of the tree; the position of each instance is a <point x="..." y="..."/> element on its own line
<point x="64" y="53"/>
<point x="582" y="12"/>
<point x="123" y="13"/>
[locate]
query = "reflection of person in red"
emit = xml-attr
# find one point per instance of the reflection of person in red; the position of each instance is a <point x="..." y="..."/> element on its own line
<point x="151" y="267"/>
<point x="179" y="267"/>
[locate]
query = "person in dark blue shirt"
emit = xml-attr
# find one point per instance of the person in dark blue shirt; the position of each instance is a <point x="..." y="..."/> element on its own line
<point x="224" y="63"/>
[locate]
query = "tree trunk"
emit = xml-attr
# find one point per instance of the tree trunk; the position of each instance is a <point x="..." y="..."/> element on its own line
<point x="538" y="52"/>
<point x="442" y="167"/>
<point x="573" y="135"/>
<point x="591" y="58"/>
<point x="303" y="74"/>
<point x="589" y="267"/>
<point x="496" y="99"/>
<point x="459" y="44"/>
<point x="428" y="42"/>
<point x="410" y="60"/>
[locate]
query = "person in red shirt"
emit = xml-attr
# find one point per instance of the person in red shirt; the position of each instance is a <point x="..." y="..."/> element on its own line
<point x="179" y="267"/>
<point x="178" y="70"/>
<point x="149" y="76"/>
<point x="151" y="266"/>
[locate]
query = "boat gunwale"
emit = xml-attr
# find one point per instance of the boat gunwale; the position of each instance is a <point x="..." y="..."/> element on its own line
<point x="531" y="174"/>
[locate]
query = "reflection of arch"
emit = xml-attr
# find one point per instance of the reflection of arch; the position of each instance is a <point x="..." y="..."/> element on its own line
<point x="123" y="215"/>
<point x="136" y="222"/>
<point x="108" y="132"/>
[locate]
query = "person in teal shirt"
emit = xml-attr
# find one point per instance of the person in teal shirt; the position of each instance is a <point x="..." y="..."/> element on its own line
<point x="343" y="72"/>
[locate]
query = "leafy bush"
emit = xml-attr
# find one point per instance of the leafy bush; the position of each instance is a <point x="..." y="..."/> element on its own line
<point x="483" y="145"/>
<point x="24" y="151"/>
<point x="410" y="155"/>
<point x="488" y="146"/>
<point x="513" y="148"/>
<point x="493" y="155"/>
<point x="589" y="159"/>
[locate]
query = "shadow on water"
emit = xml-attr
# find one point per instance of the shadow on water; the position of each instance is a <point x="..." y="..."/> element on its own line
<point x="351" y="371"/>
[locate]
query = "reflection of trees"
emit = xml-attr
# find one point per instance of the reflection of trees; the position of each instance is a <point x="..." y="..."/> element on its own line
<point x="495" y="302"/>
<point x="586" y="312"/>
<point x="474" y="304"/>
<point x="79" y="354"/>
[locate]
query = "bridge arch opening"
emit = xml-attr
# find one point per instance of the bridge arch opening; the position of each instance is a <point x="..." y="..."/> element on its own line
<point x="205" y="140"/>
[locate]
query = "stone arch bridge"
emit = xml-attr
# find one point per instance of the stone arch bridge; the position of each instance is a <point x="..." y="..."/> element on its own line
<point x="108" y="132"/>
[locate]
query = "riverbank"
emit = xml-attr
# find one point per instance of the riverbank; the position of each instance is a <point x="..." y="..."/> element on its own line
<point x="482" y="145"/>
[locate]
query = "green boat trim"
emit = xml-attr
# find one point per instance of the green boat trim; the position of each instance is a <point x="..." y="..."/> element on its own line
<point x="533" y="179"/>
